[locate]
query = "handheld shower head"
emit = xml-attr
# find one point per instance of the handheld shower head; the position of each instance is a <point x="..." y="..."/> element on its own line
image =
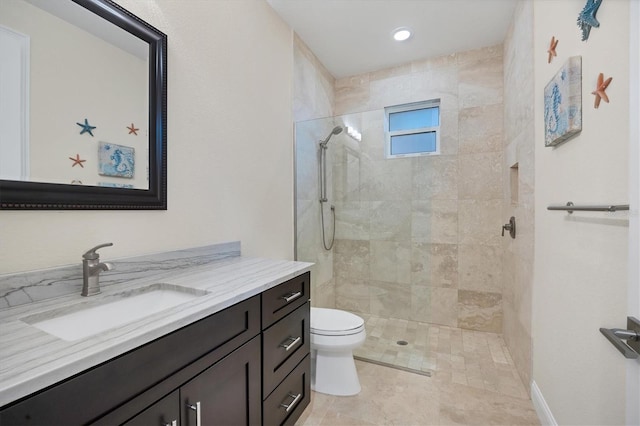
<point x="336" y="131"/>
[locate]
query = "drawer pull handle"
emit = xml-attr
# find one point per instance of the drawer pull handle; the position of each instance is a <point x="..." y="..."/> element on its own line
<point x="296" y="398"/>
<point x="291" y="296"/>
<point x="294" y="341"/>
<point x="196" y="408"/>
<point x="173" y="423"/>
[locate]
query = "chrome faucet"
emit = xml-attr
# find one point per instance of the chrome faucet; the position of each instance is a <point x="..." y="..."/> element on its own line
<point x="91" y="268"/>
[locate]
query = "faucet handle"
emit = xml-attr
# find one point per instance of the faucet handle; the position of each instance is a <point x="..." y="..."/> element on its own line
<point x="92" y="255"/>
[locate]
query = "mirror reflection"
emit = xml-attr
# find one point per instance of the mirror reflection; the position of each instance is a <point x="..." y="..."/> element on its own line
<point x="75" y="103"/>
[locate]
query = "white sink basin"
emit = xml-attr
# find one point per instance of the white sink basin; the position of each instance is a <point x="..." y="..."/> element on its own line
<point x="95" y="316"/>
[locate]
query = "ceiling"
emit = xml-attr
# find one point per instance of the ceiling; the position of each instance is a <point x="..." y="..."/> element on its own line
<point x="354" y="36"/>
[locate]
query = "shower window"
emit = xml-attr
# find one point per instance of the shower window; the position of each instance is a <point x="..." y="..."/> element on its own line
<point x="413" y="129"/>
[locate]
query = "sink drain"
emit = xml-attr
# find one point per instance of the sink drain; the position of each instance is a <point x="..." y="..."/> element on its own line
<point x="402" y="342"/>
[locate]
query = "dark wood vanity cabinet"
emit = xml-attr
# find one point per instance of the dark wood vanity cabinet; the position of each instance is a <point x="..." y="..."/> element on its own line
<point x="246" y="365"/>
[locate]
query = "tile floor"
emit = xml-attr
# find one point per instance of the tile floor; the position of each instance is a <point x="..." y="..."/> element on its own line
<point x="473" y="380"/>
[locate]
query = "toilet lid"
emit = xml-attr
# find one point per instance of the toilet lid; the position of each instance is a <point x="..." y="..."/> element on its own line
<point x="335" y="322"/>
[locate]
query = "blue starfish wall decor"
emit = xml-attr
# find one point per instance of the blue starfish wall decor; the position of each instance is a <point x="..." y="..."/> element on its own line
<point x="86" y="128"/>
<point x="587" y="18"/>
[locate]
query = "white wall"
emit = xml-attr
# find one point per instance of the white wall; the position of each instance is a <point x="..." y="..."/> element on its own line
<point x="580" y="272"/>
<point x="230" y="149"/>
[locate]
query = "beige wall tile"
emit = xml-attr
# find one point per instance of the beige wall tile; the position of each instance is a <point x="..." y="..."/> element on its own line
<point x="480" y="222"/>
<point x="480" y="82"/>
<point x="352" y="94"/>
<point x="390" y="72"/>
<point x="324" y="295"/>
<point x="435" y="177"/>
<point x="480" y="176"/>
<point x="444" y="306"/>
<point x="390" y="261"/>
<point x="480" y="129"/>
<point x="351" y="259"/>
<point x="313" y="90"/>
<point x="434" y="265"/>
<point x="388" y="179"/>
<point x="352" y="220"/>
<point x="390" y="220"/>
<point x="480" y="267"/>
<point x="390" y="300"/>
<point x="353" y="295"/>
<point x="440" y="83"/>
<point x="472" y="56"/>
<point x="449" y="127"/>
<point x="435" y="221"/>
<point x="432" y="63"/>
<point x="480" y="311"/>
<point x="391" y="91"/>
<point x="420" y="303"/>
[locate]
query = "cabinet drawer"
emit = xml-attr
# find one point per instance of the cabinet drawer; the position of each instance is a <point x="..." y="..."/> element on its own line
<point x="284" y="298"/>
<point x="285" y="405"/>
<point x="284" y="345"/>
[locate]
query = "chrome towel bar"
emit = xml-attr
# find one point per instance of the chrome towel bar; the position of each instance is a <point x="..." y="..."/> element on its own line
<point x="570" y="207"/>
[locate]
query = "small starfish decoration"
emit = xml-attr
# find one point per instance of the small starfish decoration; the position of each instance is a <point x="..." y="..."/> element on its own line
<point x="86" y="128"/>
<point x="77" y="161"/>
<point x="587" y="18"/>
<point x="132" y="129"/>
<point x="600" y="90"/>
<point x="552" y="49"/>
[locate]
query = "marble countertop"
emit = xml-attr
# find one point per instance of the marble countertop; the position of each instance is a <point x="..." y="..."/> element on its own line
<point x="31" y="359"/>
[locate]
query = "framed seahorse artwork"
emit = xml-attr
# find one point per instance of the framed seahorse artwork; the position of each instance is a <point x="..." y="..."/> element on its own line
<point x="116" y="160"/>
<point x="563" y="103"/>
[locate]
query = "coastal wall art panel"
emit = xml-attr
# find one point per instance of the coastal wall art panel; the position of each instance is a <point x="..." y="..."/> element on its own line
<point x="563" y="103"/>
<point x="116" y="160"/>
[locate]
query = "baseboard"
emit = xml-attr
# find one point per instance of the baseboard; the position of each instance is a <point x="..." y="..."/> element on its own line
<point x="542" y="409"/>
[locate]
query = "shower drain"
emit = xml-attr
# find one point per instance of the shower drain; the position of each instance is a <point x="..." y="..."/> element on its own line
<point x="402" y="342"/>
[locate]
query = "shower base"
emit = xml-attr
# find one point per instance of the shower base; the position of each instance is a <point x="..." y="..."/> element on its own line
<point x="448" y="354"/>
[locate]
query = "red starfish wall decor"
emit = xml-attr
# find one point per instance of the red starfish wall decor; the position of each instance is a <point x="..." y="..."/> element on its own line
<point x="133" y="129"/>
<point x="552" y="49"/>
<point x="600" y="90"/>
<point x="77" y="160"/>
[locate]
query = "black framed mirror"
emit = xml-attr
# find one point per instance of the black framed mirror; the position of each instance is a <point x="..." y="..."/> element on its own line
<point x="36" y="194"/>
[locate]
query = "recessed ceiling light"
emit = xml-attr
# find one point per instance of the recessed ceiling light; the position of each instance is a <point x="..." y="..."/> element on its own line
<point x="401" y="34"/>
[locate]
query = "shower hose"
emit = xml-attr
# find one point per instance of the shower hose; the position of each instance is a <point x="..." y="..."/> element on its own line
<point x="333" y="234"/>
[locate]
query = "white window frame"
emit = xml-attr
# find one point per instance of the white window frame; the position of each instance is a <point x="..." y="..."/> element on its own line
<point x="411" y="107"/>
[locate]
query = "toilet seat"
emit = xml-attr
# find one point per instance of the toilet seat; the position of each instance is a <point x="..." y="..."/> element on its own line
<point x="334" y="322"/>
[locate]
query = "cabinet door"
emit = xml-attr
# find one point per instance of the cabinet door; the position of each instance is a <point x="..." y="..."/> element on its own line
<point x="165" y="412"/>
<point x="227" y="393"/>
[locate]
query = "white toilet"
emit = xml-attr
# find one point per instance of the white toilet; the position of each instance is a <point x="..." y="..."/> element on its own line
<point x="334" y="335"/>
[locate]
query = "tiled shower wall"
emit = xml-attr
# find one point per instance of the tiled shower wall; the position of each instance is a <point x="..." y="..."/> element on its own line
<point x="313" y="98"/>
<point x="519" y="187"/>
<point x="419" y="238"/>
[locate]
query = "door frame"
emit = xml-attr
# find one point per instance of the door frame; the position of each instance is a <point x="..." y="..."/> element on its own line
<point x="633" y="307"/>
<point x="14" y="122"/>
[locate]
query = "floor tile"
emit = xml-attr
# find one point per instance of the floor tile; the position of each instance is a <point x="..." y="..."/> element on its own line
<point x="473" y="380"/>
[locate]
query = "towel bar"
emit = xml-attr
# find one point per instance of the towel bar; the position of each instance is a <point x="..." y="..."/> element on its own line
<point x="570" y="207"/>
